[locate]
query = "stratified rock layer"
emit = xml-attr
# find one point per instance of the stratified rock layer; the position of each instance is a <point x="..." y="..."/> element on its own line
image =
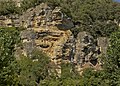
<point x="49" y="30"/>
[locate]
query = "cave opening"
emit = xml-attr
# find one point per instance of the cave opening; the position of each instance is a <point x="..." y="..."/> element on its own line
<point x="94" y="61"/>
<point x="44" y="46"/>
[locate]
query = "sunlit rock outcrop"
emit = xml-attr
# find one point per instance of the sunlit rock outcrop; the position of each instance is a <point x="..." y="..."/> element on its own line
<point x="48" y="30"/>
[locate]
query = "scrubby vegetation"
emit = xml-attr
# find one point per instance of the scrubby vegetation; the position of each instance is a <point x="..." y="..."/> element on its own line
<point x="8" y="7"/>
<point x="99" y="17"/>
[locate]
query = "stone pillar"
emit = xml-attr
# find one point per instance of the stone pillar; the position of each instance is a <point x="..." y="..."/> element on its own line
<point x="103" y="43"/>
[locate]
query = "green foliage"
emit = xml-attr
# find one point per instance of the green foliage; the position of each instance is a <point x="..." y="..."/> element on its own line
<point x="34" y="69"/>
<point x="94" y="16"/>
<point x="53" y="3"/>
<point x="99" y="17"/>
<point x="25" y="4"/>
<point x="102" y="28"/>
<point x="113" y="51"/>
<point x="68" y="71"/>
<point x="8" y="7"/>
<point x="9" y="37"/>
<point x="112" y="61"/>
<point x="69" y="77"/>
<point x="26" y="71"/>
<point x="92" y="78"/>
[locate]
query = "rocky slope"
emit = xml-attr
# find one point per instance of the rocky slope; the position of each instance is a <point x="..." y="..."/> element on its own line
<point x="49" y="30"/>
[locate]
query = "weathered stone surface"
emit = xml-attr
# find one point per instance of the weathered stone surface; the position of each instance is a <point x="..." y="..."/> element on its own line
<point x="103" y="43"/>
<point x="43" y="33"/>
<point x="48" y="30"/>
<point x="88" y="51"/>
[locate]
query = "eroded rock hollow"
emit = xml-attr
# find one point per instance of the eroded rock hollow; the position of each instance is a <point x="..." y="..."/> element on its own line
<point x="48" y="29"/>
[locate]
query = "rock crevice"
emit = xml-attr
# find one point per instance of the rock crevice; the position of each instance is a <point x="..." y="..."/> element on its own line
<point x="49" y="30"/>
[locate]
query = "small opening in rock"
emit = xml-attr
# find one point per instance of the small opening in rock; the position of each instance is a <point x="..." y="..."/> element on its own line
<point x="44" y="46"/>
<point x="86" y="39"/>
<point x="42" y="13"/>
<point x="99" y="52"/>
<point x="94" y="62"/>
<point x="85" y="49"/>
<point x="38" y="24"/>
<point x="9" y="24"/>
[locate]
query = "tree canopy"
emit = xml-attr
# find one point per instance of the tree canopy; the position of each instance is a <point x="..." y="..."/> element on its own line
<point x="8" y="7"/>
<point x="87" y="15"/>
<point x="99" y="17"/>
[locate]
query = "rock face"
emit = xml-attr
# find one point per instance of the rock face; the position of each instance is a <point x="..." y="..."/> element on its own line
<point x="44" y="22"/>
<point x="103" y="44"/>
<point x="88" y="51"/>
<point x="48" y="30"/>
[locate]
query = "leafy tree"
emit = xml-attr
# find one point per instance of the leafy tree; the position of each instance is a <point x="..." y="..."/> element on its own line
<point x="25" y="4"/>
<point x="90" y="77"/>
<point x="9" y="37"/>
<point x="94" y="16"/>
<point x="68" y="71"/>
<point x="99" y="17"/>
<point x="8" y="7"/>
<point x="69" y="77"/>
<point x="112" y="61"/>
<point x="34" y="69"/>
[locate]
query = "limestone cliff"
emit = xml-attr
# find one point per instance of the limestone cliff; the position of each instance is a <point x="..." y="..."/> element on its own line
<point x="48" y="29"/>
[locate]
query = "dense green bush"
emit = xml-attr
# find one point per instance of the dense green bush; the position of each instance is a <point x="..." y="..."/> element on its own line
<point x="112" y="61"/>
<point x="99" y="17"/>
<point x="32" y="72"/>
<point x="8" y="7"/>
<point x="25" y="4"/>
<point x="20" y="72"/>
<point x="94" y="16"/>
<point x="9" y="37"/>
